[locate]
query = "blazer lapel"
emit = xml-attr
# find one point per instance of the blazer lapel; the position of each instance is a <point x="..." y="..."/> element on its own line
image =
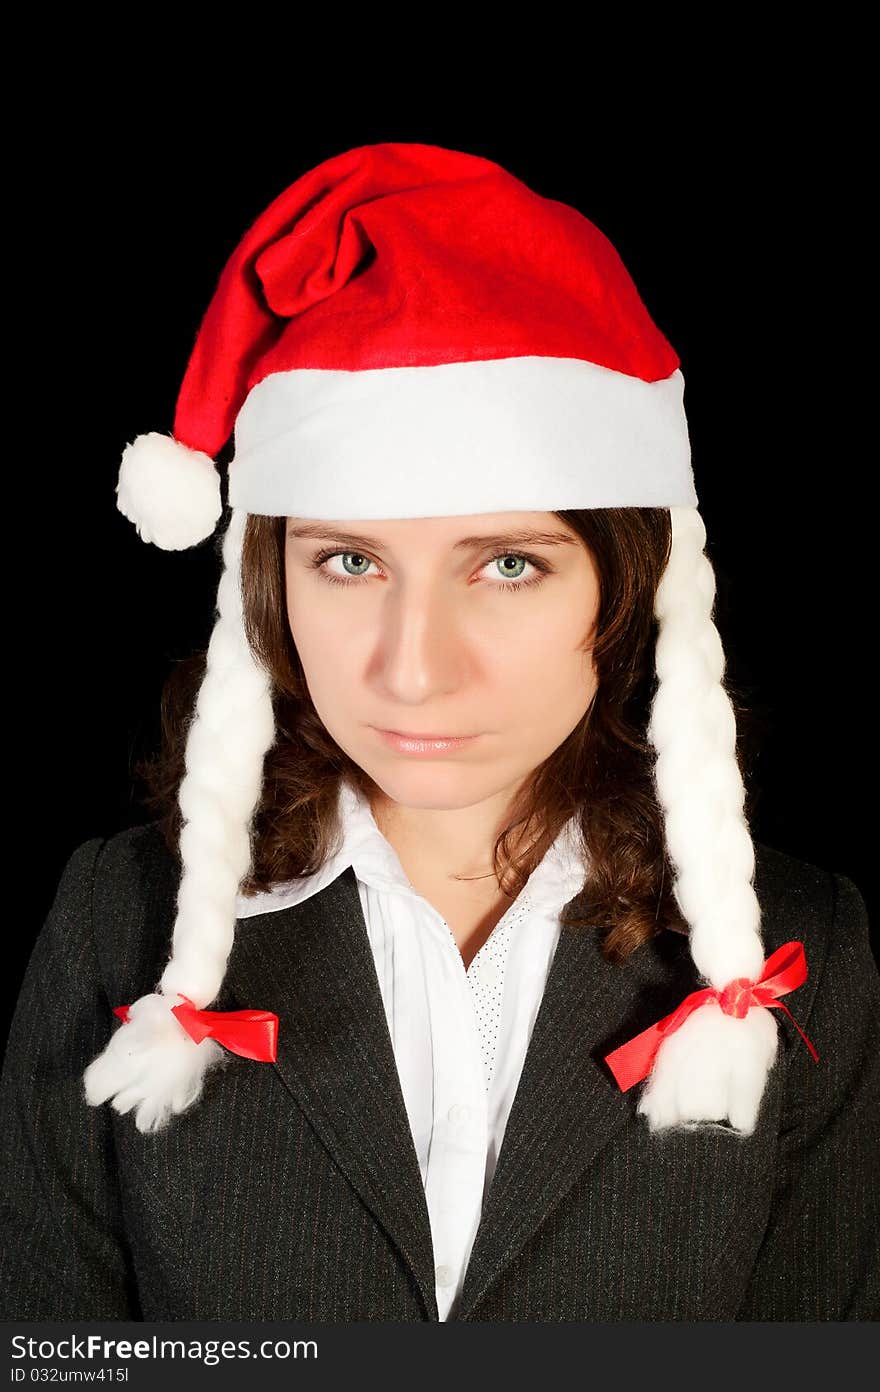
<point x="312" y="965"/>
<point x="568" y="1104"/>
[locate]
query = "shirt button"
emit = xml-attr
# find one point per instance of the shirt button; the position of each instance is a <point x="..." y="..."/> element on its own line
<point x="487" y="973"/>
<point x="459" y="1113"/>
<point x="443" y="1275"/>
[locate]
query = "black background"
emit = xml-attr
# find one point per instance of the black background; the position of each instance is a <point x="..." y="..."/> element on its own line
<point x="738" y="203"/>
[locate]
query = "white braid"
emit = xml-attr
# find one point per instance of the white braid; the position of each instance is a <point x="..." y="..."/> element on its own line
<point x="714" y="1066"/>
<point x="150" y="1062"/>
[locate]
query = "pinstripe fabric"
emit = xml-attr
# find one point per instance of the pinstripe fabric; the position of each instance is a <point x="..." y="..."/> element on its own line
<point x="292" y="1191"/>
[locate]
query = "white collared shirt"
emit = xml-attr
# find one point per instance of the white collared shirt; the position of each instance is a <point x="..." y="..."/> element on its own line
<point x="459" y="1036"/>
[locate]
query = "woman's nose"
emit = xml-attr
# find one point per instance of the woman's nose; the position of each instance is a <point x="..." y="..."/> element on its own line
<point x="421" y="644"/>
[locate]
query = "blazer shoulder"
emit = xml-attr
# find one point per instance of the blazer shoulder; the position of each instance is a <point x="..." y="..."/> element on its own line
<point x="811" y="904"/>
<point x="779" y="874"/>
<point x="137" y="856"/>
<point x="134" y="895"/>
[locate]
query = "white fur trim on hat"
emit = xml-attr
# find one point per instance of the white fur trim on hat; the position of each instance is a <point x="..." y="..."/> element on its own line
<point x="502" y="435"/>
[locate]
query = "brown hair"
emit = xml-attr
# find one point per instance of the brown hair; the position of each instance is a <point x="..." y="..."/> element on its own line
<point x="603" y="770"/>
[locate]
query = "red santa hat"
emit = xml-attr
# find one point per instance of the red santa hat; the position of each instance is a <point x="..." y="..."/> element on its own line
<point x="409" y="331"/>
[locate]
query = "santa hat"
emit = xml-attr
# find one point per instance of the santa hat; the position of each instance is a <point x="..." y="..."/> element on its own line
<point x="409" y="331"/>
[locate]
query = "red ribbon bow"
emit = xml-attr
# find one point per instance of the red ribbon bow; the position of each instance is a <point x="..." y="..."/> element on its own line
<point x="251" y="1033"/>
<point x="783" y="971"/>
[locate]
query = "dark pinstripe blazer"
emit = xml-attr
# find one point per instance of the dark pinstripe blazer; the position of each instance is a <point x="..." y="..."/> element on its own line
<point x="292" y="1191"/>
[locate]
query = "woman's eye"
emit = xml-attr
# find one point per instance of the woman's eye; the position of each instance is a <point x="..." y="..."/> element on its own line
<point x="357" y="565"/>
<point x="514" y="571"/>
<point x="510" y="569"/>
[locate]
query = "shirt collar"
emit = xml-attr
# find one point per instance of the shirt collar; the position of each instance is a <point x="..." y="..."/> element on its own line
<point x="360" y="843"/>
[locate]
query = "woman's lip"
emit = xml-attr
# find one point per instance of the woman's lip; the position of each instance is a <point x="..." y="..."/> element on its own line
<point x="423" y="744"/>
<point x="403" y="734"/>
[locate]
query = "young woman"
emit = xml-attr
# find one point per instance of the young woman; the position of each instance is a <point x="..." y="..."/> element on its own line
<point x="450" y="983"/>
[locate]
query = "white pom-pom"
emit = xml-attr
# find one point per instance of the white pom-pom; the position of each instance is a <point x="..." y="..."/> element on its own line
<point x="712" y="1068"/>
<point x="170" y="492"/>
<point x="151" y="1064"/>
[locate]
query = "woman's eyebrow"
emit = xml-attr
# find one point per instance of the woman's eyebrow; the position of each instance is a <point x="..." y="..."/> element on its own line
<point x="318" y="532"/>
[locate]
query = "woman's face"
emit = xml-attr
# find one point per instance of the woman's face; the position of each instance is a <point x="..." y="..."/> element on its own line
<point x="445" y="626"/>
